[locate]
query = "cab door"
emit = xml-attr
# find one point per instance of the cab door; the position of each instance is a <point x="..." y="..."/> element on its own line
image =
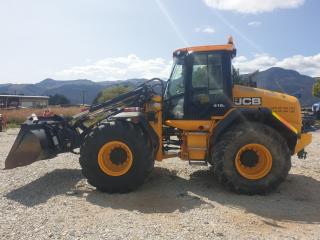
<point x="209" y="87"/>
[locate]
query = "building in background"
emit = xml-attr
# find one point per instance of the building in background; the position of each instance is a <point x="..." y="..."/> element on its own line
<point x="15" y="101"/>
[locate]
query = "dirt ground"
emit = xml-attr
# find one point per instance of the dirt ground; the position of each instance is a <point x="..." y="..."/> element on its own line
<point x="51" y="200"/>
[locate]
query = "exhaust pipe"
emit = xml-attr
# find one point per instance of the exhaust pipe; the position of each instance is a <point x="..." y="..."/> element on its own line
<point x="41" y="138"/>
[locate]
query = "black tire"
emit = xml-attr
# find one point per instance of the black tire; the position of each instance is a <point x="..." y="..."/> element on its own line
<point x="140" y="146"/>
<point x="225" y="151"/>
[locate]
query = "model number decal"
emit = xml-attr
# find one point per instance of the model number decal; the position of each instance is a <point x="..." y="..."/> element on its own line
<point x="247" y="101"/>
<point x="219" y="105"/>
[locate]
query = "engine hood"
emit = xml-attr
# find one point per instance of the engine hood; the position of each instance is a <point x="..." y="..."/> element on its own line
<point x="288" y="107"/>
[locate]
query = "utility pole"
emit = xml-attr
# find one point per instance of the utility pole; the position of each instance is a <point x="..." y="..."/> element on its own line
<point x="82" y="97"/>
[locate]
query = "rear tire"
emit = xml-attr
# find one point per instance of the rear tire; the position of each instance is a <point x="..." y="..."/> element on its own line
<point x="137" y="143"/>
<point x="226" y="161"/>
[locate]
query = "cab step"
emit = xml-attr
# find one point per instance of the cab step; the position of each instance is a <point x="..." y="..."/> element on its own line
<point x="197" y="163"/>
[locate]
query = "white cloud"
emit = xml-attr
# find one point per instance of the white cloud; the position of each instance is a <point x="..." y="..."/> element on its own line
<point x="209" y="30"/>
<point x="254" y="24"/>
<point x="309" y="65"/>
<point x="132" y="66"/>
<point x="119" y="68"/>
<point x="253" y="6"/>
<point x="259" y="62"/>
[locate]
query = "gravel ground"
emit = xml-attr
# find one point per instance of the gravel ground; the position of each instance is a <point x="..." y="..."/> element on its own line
<point x="51" y="200"/>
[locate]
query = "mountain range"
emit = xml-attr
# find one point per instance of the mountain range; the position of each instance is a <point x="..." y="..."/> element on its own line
<point x="275" y="79"/>
<point x="72" y="89"/>
<point x="287" y="81"/>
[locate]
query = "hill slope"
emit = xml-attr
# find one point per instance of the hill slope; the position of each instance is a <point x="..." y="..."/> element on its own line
<point x="275" y="79"/>
<point x="72" y="89"/>
<point x="287" y="81"/>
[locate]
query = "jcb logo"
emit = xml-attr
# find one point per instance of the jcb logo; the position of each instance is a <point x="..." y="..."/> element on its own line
<point x="247" y="101"/>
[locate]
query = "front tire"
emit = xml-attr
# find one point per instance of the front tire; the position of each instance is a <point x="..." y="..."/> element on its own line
<point x="116" y="157"/>
<point x="251" y="158"/>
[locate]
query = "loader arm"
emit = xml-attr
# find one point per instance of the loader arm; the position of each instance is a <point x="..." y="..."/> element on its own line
<point x="108" y="108"/>
<point x="44" y="137"/>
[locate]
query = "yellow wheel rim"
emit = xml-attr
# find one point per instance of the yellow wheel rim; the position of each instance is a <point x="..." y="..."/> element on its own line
<point x="253" y="161"/>
<point x="115" y="158"/>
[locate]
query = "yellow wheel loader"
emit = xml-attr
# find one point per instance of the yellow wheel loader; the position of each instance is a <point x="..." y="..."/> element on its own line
<point x="246" y="134"/>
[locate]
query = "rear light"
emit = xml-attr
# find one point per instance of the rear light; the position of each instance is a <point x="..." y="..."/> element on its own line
<point x="133" y="109"/>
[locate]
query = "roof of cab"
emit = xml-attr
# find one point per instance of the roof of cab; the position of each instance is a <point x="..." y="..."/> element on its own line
<point x="226" y="47"/>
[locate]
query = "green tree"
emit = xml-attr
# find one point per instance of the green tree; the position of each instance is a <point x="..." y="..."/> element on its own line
<point x="110" y="93"/>
<point x="58" y="99"/>
<point x="200" y="76"/>
<point x="236" y="77"/>
<point x="316" y="88"/>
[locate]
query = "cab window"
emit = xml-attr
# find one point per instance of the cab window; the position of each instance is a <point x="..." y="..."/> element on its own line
<point x="176" y="81"/>
<point x="174" y="95"/>
<point x="200" y="72"/>
<point x="207" y="73"/>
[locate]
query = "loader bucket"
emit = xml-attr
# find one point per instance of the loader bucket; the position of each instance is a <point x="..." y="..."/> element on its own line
<point x="31" y="145"/>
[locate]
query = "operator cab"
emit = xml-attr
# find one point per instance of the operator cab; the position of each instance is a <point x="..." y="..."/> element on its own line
<point x="200" y="84"/>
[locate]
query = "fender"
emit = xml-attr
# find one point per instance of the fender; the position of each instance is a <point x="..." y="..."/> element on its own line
<point x="142" y="121"/>
<point x="262" y="115"/>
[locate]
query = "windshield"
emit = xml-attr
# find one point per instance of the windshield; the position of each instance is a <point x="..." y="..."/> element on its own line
<point x="176" y="80"/>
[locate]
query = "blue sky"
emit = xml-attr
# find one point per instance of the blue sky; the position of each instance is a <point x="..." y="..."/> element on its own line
<point x="108" y="40"/>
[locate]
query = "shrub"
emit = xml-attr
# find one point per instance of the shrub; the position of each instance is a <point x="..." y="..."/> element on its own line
<point x="18" y="116"/>
<point x="58" y="99"/>
<point x="110" y="93"/>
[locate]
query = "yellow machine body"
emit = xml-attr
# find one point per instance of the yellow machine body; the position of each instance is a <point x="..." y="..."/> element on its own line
<point x="202" y="115"/>
<point x="196" y="134"/>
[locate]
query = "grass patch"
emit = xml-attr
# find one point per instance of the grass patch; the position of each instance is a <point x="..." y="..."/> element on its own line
<point x="13" y="125"/>
<point x="15" y="117"/>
